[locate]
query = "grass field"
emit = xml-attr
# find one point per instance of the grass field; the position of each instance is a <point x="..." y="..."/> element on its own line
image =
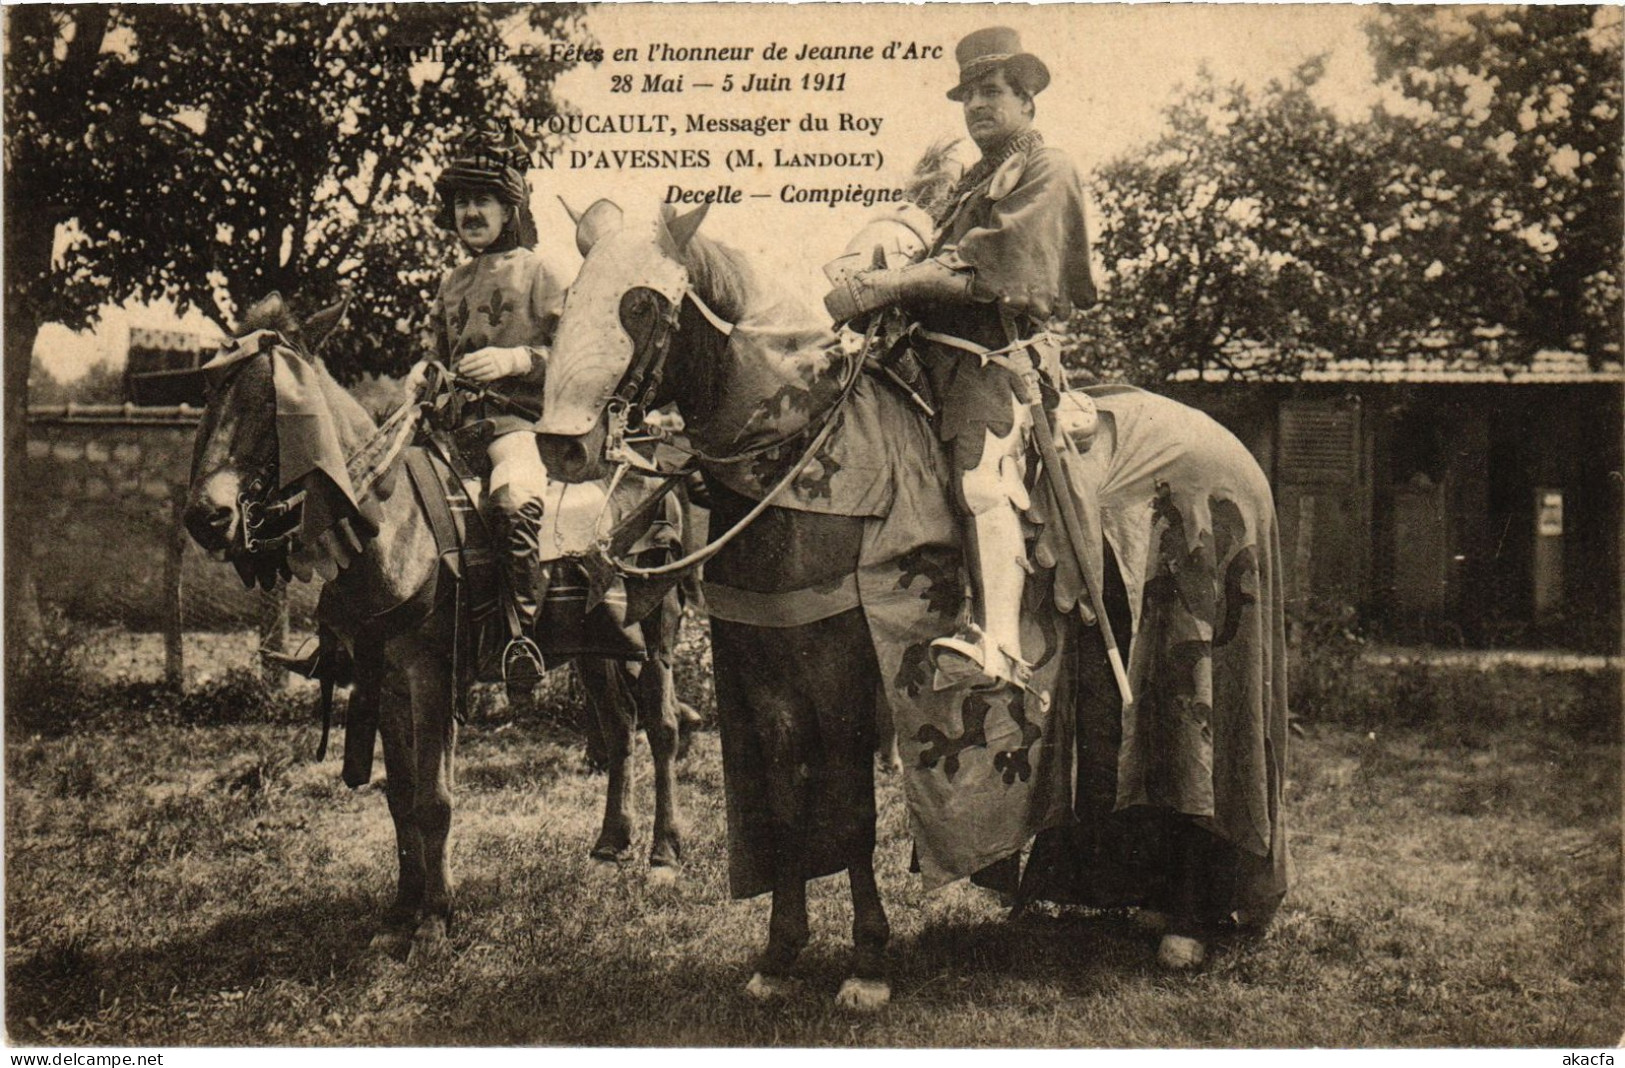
<point x="1458" y="884"/>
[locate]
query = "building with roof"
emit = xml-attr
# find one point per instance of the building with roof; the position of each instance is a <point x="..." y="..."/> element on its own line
<point x="1448" y="498"/>
<point x="161" y="367"/>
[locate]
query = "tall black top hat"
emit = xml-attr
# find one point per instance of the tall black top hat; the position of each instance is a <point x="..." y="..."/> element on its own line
<point x="988" y="50"/>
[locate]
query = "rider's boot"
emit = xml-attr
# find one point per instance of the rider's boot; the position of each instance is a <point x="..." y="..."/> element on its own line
<point x="986" y="653"/>
<point x="519" y="522"/>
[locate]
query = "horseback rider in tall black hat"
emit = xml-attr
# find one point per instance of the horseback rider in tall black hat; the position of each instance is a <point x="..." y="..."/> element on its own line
<point x="1009" y="252"/>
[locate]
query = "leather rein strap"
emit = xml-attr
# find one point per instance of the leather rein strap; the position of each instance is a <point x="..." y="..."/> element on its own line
<point x="710" y="549"/>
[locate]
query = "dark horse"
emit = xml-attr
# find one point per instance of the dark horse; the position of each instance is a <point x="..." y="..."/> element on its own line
<point x="390" y="604"/>
<point x="659" y="314"/>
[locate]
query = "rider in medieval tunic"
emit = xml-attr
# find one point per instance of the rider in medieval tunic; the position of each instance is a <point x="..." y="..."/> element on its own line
<point x="494" y="317"/>
<point x="1009" y="253"/>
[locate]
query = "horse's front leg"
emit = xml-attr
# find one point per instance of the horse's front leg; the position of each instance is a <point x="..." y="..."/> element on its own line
<point x="867" y="989"/>
<point x="787" y="930"/>
<point x="395" y="724"/>
<point x="608" y="695"/>
<point x="1200" y="886"/>
<point x="433" y="756"/>
<point x="782" y="722"/>
<point x="660" y="716"/>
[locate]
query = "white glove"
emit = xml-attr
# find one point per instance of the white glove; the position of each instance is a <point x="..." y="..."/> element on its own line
<point x="489" y="364"/>
<point x="416" y="377"/>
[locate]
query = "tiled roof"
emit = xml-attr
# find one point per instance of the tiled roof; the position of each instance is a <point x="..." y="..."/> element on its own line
<point x="1549" y="367"/>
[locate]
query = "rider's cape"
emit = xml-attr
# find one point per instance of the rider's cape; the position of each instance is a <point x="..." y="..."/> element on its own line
<point x="1021" y="227"/>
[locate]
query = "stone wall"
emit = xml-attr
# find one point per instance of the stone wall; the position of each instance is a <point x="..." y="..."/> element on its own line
<point x="105" y="486"/>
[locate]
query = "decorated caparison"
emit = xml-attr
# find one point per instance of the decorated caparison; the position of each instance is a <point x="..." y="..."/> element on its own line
<point x="291" y="479"/>
<point x="840" y="566"/>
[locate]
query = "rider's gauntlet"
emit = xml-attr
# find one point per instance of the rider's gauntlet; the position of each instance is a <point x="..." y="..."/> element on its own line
<point x="491" y="363"/>
<point x="928" y="282"/>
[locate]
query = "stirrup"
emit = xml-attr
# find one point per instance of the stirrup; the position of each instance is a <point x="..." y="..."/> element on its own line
<point x="308" y="666"/>
<point x="522" y="665"/>
<point x="962" y="660"/>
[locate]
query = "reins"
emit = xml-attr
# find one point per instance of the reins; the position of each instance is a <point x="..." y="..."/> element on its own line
<point x="711" y="548"/>
<point x="380" y="451"/>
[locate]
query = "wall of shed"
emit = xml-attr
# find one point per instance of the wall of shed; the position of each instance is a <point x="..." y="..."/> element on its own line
<point x="1435" y="540"/>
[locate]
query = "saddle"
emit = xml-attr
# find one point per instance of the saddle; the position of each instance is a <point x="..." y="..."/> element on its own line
<point x="570" y="622"/>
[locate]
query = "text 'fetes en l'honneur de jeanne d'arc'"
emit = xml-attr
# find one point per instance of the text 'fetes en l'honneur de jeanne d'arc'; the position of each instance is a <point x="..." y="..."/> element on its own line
<point x="701" y="95"/>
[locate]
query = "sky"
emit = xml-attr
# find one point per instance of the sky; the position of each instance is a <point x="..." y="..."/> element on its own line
<point x="1114" y="68"/>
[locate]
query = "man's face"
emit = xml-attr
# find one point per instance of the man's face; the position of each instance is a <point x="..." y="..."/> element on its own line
<point x="994" y="111"/>
<point x="480" y="218"/>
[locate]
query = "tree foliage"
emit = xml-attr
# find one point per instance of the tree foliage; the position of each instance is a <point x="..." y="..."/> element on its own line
<point x="1477" y="211"/>
<point x="212" y="153"/>
<point x="1518" y="112"/>
<point x="1238" y="231"/>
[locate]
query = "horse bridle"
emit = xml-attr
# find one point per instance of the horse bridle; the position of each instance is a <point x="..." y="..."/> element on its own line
<point x="640" y="382"/>
<point x="637" y="387"/>
<point x="269" y="517"/>
<point x="270" y="523"/>
<point x="630" y="402"/>
<point x="642" y="379"/>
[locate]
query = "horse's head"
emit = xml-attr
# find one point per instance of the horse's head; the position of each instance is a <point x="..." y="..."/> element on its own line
<point x="608" y="355"/>
<point x="232" y="508"/>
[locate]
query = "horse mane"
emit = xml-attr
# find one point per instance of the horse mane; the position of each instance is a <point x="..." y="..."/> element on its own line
<point x="772" y="321"/>
<point x="720" y="276"/>
<point x="355" y="425"/>
<point x="272" y="313"/>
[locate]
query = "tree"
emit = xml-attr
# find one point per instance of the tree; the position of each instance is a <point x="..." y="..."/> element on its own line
<point x="212" y="153"/>
<point x="1477" y="213"/>
<point x="101" y="383"/>
<point x="49" y="53"/>
<point x="1237" y="240"/>
<point x="301" y="159"/>
<point x="43" y="386"/>
<point x="1518" y="112"/>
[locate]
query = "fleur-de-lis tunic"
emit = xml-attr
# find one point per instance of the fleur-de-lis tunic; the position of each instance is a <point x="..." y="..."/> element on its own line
<point x="503" y="299"/>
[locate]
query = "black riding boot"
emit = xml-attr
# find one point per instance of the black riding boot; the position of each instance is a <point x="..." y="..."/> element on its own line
<point x="518" y="527"/>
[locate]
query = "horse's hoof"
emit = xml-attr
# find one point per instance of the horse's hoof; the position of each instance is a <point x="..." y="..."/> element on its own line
<point x="864" y="995"/>
<point x="1180" y="954"/>
<point x="1151" y="921"/>
<point x="392" y="943"/>
<point x="663" y="877"/>
<point x="769" y="987"/>
<point x="611" y="854"/>
<point x="429" y="940"/>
